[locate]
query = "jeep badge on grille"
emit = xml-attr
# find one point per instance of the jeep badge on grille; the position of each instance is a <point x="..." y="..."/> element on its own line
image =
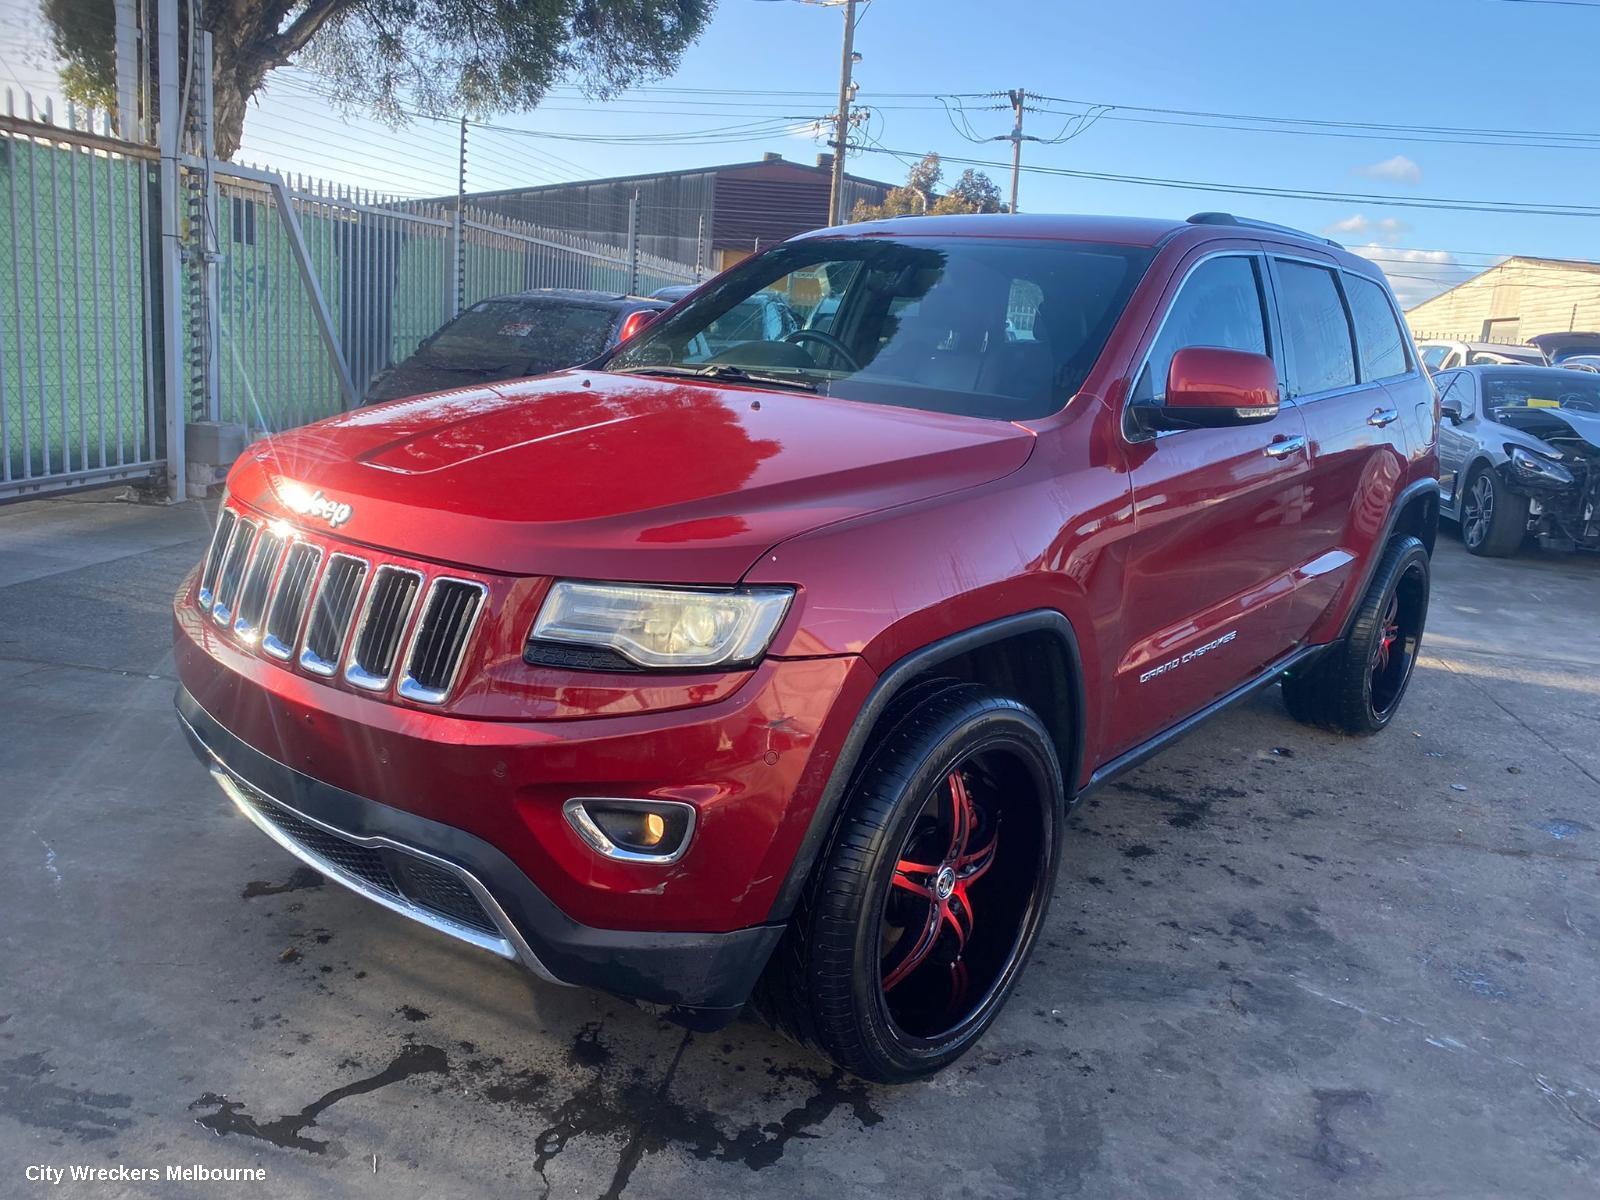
<point x="299" y="499"/>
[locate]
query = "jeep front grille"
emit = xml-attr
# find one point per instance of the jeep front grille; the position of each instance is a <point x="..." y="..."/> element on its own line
<point x="440" y="640"/>
<point x="226" y="520"/>
<point x="288" y="609"/>
<point x="231" y="575"/>
<point x="331" y="612"/>
<point x="257" y="584"/>
<point x="377" y="623"/>
<point x="383" y="620"/>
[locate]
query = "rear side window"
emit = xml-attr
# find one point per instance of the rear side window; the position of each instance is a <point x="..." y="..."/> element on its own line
<point x="1433" y="356"/>
<point x="1383" y="346"/>
<point x="1219" y="305"/>
<point x="1316" y="331"/>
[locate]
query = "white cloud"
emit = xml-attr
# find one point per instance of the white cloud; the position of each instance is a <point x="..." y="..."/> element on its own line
<point x="1398" y="169"/>
<point x="1359" y="225"/>
<point x="1415" y="275"/>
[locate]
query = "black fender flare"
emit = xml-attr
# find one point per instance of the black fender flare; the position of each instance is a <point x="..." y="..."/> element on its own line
<point x="1418" y="488"/>
<point x="826" y="814"/>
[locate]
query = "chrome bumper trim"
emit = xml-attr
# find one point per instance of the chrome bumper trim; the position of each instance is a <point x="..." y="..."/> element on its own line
<point x="510" y="944"/>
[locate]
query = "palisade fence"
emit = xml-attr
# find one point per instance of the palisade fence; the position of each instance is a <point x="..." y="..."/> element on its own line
<point x="283" y="319"/>
<point x="77" y="388"/>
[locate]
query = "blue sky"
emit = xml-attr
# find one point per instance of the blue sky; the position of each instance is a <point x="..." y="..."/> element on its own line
<point x="1502" y="64"/>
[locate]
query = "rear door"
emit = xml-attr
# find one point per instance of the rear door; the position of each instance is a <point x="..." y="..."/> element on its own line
<point x="1219" y="519"/>
<point x="1358" y="448"/>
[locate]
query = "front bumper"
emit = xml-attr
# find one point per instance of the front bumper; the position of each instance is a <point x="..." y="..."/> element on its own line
<point x="463" y="887"/>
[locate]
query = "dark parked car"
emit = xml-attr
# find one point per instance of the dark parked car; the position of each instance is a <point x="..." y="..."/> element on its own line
<point x="512" y="337"/>
<point x="1519" y="453"/>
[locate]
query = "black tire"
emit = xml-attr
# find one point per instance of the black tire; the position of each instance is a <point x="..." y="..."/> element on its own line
<point x="1494" y="519"/>
<point x="848" y="978"/>
<point x="1356" y="686"/>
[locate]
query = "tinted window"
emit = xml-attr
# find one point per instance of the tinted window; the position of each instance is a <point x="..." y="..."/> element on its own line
<point x="931" y="323"/>
<point x="1383" y="346"/>
<point x="1433" y="356"/>
<point x="1315" y="329"/>
<point x="1218" y="305"/>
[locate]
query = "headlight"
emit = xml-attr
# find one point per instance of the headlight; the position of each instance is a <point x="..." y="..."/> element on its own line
<point x="660" y="627"/>
<point x="1536" y="467"/>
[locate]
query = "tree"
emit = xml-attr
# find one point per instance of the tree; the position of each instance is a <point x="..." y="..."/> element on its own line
<point x="974" y="192"/>
<point x="442" y="56"/>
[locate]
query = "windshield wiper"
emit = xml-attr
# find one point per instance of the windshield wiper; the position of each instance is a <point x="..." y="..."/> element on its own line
<point x="725" y="371"/>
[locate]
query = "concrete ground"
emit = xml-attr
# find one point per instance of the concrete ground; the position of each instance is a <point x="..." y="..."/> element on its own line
<point x="1279" y="964"/>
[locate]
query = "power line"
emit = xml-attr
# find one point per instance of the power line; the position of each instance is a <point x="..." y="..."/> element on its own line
<point x="1432" y="202"/>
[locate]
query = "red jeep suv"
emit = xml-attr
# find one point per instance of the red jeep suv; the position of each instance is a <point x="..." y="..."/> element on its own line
<point x="771" y="669"/>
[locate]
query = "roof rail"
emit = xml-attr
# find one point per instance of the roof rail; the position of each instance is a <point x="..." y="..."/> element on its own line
<point x="1222" y="218"/>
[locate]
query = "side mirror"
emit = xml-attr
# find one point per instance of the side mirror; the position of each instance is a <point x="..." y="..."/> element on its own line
<point x="635" y="322"/>
<point x="1211" y="388"/>
<point x="1451" y="407"/>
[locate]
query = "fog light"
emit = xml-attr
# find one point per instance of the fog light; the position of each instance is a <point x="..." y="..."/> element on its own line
<point x="651" y="831"/>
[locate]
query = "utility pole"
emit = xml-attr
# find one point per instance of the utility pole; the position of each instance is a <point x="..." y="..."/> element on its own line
<point x="458" y="263"/>
<point x="1019" y="98"/>
<point x="841" y="126"/>
<point x="170" y="137"/>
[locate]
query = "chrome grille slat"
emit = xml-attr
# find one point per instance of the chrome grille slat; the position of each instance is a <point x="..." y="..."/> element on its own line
<point x="290" y="599"/>
<point x="439" y="641"/>
<point x="382" y="622"/>
<point x="332" y="610"/>
<point x="226" y="519"/>
<point x="258" y="578"/>
<point x="231" y="577"/>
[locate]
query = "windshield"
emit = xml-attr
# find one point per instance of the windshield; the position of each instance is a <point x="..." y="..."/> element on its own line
<point x="1551" y="388"/>
<point x="976" y="326"/>
<point x="541" y="335"/>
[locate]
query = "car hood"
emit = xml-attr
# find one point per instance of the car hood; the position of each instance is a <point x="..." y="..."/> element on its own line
<point x="1542" y="424"/>
<point x="609" y="476"/>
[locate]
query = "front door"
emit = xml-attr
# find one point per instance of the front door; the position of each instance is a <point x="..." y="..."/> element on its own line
<point x="1218" y="522"/>
<point x="1456" y="441"/>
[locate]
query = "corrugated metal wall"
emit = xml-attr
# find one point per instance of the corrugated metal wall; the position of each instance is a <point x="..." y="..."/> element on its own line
<point x="670" y="208"/>
<point x="1538" y="295"/>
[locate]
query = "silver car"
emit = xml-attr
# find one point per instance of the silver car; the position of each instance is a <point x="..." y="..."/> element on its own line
<point x="1519" y="453"/>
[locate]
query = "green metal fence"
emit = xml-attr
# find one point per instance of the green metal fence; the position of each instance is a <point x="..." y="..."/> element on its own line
<point x="77" y="402"/>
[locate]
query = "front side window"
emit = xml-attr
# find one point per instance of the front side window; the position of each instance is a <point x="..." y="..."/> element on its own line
<point x="1219" y="305"/>
<point x="1433" y="357"/>
<point x="1383" y="346"/>
<point x="976" y="326"/>
<point x="1316" y="330"/>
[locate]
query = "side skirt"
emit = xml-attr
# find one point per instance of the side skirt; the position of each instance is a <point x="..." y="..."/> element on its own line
<point x="1132" y="758"/>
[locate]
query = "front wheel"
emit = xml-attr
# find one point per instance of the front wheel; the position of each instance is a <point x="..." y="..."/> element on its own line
<point x="1494" y="519"/>
<point x="927" y="904"/>
<point x="1357" y="685"/>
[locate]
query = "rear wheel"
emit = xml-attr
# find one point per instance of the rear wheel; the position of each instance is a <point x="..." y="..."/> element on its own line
<point x="1494" y="519"/>
<point x="1357" y="685"/>
<point x="927" y="903"/>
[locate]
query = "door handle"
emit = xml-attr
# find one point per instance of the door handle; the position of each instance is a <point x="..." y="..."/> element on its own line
<point x="1286" y="447"/>
<point x="1383" y="416"/>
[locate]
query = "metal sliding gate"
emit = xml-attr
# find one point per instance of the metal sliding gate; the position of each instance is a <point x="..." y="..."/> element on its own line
<point x="248" y="298"/>
<point x="78" y="397"/>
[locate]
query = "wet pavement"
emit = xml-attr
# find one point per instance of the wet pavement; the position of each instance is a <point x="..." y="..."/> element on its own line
<point x="1279" y="963"/>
